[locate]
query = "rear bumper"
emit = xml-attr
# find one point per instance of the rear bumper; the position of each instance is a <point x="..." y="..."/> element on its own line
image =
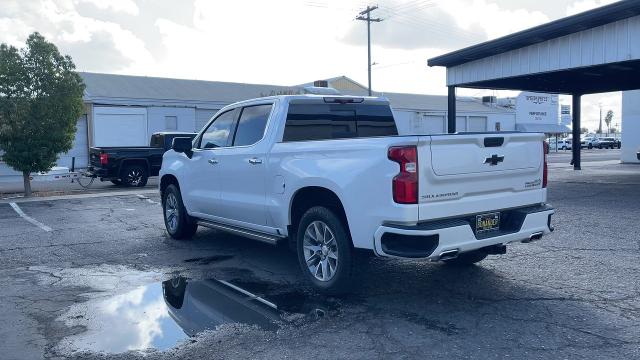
<point x="99" y="172"/>
<point x="429" y="240"/>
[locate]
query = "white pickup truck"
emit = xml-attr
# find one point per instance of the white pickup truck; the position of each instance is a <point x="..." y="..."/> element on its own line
<point x="330" y="175"/>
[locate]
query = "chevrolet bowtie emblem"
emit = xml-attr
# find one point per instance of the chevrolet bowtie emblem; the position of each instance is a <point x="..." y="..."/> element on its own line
<point x="494" y="160"/>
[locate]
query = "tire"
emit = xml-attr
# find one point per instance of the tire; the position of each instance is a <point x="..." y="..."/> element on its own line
<point x="134" y="176"/>
<point x="330" y="264"/>
<point x="589" y="146"/>
<point x="116" y="182"/>
<point x="468" y="258"/>
<point x="177" y="222"/>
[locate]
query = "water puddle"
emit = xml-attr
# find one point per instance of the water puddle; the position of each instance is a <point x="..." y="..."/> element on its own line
<point x="161" y="315"/>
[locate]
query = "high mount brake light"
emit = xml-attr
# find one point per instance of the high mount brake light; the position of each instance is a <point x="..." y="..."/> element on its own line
<point x="342" y="100"/>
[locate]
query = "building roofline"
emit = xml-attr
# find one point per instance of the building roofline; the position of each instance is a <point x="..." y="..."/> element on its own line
<point x="583" y="21"/>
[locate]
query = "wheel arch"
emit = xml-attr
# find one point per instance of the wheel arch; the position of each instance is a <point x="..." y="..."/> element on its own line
<point x="307" y="197"/>
<point x="135" y="161"/>
<point x="166" y="180"/>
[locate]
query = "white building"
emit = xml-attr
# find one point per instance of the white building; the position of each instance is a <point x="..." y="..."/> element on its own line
<point x="122" y="110"/>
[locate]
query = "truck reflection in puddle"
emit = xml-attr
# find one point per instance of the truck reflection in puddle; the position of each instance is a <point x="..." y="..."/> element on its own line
<point x="158" y="316"/>
<point x="203" y="305"/>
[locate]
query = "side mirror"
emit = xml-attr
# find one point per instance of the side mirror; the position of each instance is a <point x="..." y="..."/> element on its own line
<point x="182" y="145"/>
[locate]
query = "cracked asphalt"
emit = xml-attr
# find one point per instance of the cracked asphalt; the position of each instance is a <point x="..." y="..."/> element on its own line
<point x="573" y="295"/>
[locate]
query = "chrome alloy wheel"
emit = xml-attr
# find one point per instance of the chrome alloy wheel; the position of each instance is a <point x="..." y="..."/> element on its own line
<point x="171" y="212"/>
<point x="134" y="177"/>
<point x="320" y="251"/>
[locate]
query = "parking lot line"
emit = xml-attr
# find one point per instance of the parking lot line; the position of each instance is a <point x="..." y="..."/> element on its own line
<point x="28" y="218"/>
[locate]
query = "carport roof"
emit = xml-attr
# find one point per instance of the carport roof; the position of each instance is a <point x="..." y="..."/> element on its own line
<point x="555" y="29"/>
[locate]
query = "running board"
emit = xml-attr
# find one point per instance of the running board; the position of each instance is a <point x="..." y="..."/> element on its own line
<point x="255" y="235"/>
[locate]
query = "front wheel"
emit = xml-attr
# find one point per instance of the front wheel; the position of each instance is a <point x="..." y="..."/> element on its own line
<point x="178" y="223"/>
<point x="324" y="250"/>
<point x="467" y="258"/>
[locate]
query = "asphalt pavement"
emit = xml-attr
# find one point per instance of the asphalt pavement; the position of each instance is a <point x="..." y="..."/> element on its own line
<point x="99" y="278"/>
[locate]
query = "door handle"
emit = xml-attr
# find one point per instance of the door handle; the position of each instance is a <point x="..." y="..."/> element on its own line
<point x="213" y="161"/>
<point x="255" y="161"/>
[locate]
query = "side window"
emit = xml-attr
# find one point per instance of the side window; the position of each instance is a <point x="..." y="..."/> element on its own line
<point x="319" y="122"/>
<point x="252" y="124"/>
<point x="219" y="132"/>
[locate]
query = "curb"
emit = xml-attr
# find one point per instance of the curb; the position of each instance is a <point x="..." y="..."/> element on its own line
<point x="79" y="196"/>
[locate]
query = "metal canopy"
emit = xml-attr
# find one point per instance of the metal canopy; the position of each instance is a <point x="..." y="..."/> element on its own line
<point x="552" y="30"/>
<point x="608" y="77"/>
<point x="592" y="52"/>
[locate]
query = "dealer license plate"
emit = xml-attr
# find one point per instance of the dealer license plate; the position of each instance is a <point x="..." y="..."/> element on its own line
<point x="487" y="222"/>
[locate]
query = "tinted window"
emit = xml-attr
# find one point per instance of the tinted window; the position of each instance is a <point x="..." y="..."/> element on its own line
<point x="251" y="124"/>
<point x="219" y="131"/>
<point x="337" y="121"/>
<point x="375" y="120"/>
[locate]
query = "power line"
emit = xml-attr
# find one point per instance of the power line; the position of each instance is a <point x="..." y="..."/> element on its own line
<point x="361" y="16"/>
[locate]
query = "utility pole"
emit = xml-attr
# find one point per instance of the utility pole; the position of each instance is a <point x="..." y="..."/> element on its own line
<point x="369" y="20"/>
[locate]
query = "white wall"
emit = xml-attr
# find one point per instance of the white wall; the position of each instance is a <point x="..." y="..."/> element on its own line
<point x="422" y="123"/>
<point x="186" y="119"/>
<point x="630" y="126"/>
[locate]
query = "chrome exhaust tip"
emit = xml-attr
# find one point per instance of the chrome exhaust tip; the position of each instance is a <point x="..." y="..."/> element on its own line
<point x="533" y="237"/>
<point x="448" y="255"/>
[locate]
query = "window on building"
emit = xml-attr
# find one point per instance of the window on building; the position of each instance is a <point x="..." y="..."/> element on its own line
<point x="171" y="122"/>
<point x="251" y="125"/>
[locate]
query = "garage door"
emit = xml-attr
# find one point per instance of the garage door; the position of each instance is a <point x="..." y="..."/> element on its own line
<point x="80" y="149"/>
<point x="432" y="124"/>
<point x="120" y="126"/>
<point x="477" y="124"/>
<point x="202" y="117"/>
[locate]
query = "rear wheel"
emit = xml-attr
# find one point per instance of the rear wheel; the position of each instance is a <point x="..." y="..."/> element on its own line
<point x="135" y="176"/>
<point x="324" y="250"/>
<point x="467" y="258"/>
<point x="178" y="223"/>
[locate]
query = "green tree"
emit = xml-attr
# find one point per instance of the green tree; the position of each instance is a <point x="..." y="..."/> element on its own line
<point x="607" y="120"/>
<point x="40" y="103"/>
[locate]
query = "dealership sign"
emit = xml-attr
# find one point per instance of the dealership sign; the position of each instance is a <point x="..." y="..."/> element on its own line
<point x="536" y="108"/>
<point x="565" y="114"/>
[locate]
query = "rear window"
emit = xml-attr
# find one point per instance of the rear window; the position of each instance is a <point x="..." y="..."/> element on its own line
<point x="338" y="121"/>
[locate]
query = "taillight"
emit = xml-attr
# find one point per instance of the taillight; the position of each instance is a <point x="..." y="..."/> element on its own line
<point x="405" y="184"/>
<point x="545" y="151"/>
<point x="104" y="159"/>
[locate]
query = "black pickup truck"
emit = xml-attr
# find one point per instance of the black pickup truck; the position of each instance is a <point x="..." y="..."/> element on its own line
<point x="131" y="166"/>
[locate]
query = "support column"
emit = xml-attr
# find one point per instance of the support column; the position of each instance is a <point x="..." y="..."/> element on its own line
<point x="451" y="110"/>
<point x="575" y="124"/>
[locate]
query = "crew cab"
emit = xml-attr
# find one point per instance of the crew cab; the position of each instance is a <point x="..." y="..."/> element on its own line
<point x="330" y="176"/>
<point x="133" y="165"/>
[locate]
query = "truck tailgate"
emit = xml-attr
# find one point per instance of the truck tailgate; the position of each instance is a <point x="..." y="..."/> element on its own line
<point x="462" y="174"/>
